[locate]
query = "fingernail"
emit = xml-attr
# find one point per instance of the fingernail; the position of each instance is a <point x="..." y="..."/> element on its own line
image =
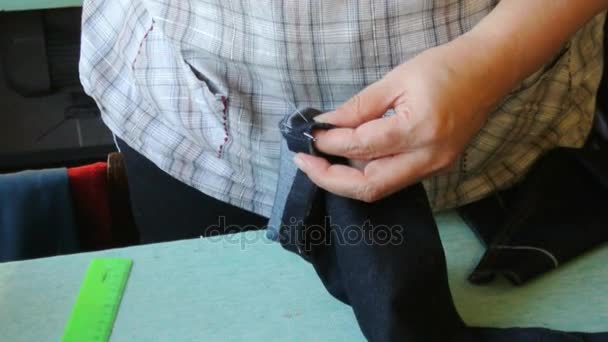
<point x="300" y="162"/>
<point x="323" y="118"/>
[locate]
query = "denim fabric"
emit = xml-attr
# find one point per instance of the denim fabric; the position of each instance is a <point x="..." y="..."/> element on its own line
<point x="555" y="214"/>
<point x="356" y="250"/>
<point x="287" y="173"/>
<point x="384" y="259"/>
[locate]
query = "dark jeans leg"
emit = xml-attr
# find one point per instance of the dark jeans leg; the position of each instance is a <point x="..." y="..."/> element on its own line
<point x="166" y="209"/>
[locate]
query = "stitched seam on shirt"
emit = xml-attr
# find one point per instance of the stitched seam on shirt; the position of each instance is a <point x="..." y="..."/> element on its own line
<point x="141" y="44"/>
<point x="220" y="151"/>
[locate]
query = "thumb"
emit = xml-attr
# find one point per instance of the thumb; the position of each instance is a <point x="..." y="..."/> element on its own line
<point x="371" y="103"/>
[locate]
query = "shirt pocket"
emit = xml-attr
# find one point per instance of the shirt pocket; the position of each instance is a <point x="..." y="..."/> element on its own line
<point x="180" y="95"/>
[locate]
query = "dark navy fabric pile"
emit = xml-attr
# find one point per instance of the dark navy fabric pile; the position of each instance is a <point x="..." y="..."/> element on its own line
<point x="384" y="259"/>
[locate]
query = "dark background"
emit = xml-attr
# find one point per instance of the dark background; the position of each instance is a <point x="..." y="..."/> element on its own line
<point x="46" y="119"/>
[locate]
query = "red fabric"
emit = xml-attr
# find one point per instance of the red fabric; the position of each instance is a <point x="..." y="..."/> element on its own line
<point x="89" y="188"/>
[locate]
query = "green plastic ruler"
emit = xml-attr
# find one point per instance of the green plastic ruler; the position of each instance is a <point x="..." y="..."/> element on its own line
<point x="98" y="300"/>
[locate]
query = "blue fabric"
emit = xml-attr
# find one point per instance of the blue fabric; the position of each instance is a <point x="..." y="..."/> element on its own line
<point x="36" y="216"/>
<point x="557" y="213"/>
<point x="554" y="215"/>
<point x="384" y="259"/>
<point x="287" y="170"/>
<point x="287" y="173"/>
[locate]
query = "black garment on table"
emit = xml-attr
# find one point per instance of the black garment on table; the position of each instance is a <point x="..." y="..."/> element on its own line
<point x="384" y="259"/>
<point x="556" y="213"/>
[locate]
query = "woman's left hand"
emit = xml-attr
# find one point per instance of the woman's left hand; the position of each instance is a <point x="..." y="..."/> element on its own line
<point x="439" y="105"/>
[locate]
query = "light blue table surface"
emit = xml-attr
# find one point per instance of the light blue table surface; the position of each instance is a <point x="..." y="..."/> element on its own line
<point x="20" y="5"/>
<point x="246" y="288"/>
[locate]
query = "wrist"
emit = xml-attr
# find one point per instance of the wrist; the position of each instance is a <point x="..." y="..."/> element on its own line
<point x="492" y="66"/>
<point x="481" y="72"/>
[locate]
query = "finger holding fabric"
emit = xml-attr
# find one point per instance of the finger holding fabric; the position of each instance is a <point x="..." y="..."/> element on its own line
<point x="436" y="112"/>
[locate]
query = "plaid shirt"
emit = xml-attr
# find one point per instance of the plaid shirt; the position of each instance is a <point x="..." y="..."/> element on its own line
<point x="199" y="87"/>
